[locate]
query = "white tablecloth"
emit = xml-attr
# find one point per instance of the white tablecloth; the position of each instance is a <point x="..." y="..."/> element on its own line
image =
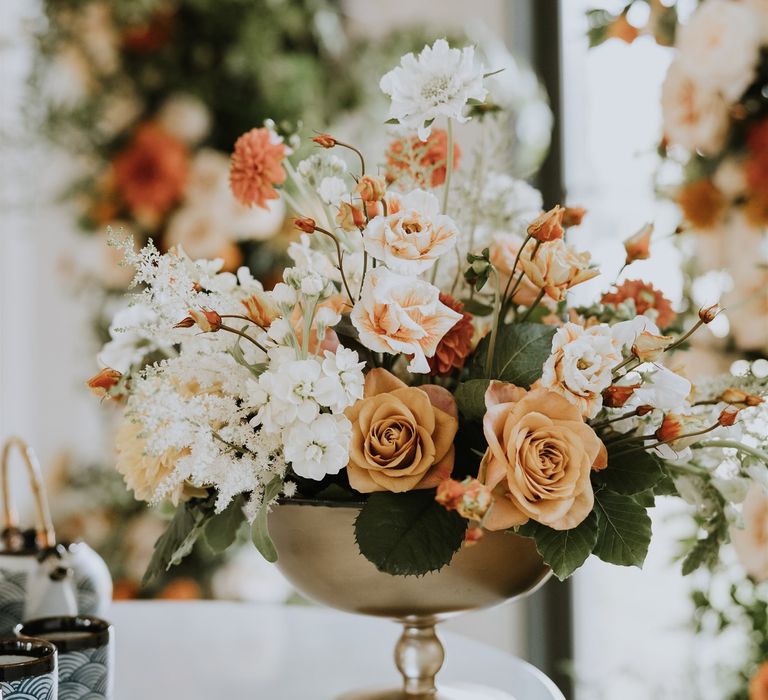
<point x="218" y="651"/>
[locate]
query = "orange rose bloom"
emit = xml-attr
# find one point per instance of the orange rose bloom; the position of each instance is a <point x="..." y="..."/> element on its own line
<point x="504" y="249"/>
<point x="539" y="459"/>
<point x="758" y="686"/>
<point x="402" y="437"/>
<point x="646" y="297"/>
<point x="453" y="350"/>
<point x="423" y="161"/>
<point x="702" y="203"/>
<point x="151" y="172"/>
<point x="256" y="167"/>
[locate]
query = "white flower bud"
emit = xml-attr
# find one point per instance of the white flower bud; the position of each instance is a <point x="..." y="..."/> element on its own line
<point x="283" y="295"/>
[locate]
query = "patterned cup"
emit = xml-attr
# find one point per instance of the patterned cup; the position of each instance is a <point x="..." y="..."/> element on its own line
<point x="86" y="654"/>
<point x="27" y="669"/>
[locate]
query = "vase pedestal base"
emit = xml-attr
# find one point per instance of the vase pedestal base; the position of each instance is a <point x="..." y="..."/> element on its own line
<point x="460" y="691"/>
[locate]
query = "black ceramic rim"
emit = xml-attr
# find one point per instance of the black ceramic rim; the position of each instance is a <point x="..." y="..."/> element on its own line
<point x="97" y="632"/>
<point x="43" y="663"/>
<point x="283" y="501"/>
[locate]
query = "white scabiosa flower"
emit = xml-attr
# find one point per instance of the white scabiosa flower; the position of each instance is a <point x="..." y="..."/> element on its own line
<point x="333" y="190"/>
<point x="320" y="448"/>
<point x="437" y="83"/>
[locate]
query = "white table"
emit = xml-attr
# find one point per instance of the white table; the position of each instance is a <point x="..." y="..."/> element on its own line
<point x="218" y="651"/>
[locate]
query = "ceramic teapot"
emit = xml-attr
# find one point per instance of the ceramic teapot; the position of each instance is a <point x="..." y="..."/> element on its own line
<point x="38" y="577"/>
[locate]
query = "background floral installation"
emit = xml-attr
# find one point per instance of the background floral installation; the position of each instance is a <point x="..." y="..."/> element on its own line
<point x="714" y="150"/>
<point x="150" y="125"/>
<point x="421" y="356"/>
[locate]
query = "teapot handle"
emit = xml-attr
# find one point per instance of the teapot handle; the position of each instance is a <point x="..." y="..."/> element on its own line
<point x="46" y="536"/>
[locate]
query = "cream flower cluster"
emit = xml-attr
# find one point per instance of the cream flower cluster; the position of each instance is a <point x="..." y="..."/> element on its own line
<point x="718" y="53"/>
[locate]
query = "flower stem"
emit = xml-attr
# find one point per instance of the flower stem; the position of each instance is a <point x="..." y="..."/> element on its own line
<point x="514" y="267"/>
<point x="448" y="167"/>
<point x="741" y="447"/>
<point x="685" y="337"/>
<point x="496" y="321"/>
<point x="340" y="256"/>
<point x="355" y="150"/>
<point x="615" y="419"/>
<point x="242" y="335"/>
<point x="533" y="306"/>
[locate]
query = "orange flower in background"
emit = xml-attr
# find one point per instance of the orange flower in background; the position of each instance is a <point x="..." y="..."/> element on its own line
<point x="621" y="29"/>
<point x="256" y="167"/>
<point x="702" y="203"/>
<point x="646" y="297"/>
<point x="151" y="172"/>
<point x="758" y="686"/>
<point x="150" y="36"/>
<point x="756" y="166"/>
<point x="418" y="159"/>
<point x="756" y="208"/>
<point x="103" y="382"/>
<point x="453" y="350"/>
<point x="181" y="589"/>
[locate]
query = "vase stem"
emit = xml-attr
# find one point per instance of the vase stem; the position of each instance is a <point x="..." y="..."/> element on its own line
<point x="419" y="655"/>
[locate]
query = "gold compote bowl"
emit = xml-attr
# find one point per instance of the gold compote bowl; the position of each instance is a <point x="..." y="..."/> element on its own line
<point x="318" y="554"/>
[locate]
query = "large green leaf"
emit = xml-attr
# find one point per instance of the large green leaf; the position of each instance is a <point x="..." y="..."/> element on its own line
<point x="221" y="530"/>
<point x="408" y="534"/>
<point x="179" y="537"/>
<point x="521" y="350"/>
<point x="260" y="528"/>
<point x="624" y="529"/>
<point x="630" y="474"/>
<point x="563" y="550"/>
<point x="470" y="398"/>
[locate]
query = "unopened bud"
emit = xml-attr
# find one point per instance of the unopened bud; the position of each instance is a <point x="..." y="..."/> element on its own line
<point x="733" y="395"/>
<point x="305" y="223"/>
<point x="350" y="217"/>
<point x="325" y="140"/>
<point x="573" y="216"/>
<point x="616" y="396"/>
<point x="548" y="226"/>
<point x="638" y="246"/>
<point x="470" y="498"/>
<point x="728" y="416"/>
<point x="643" y="410"/>
<point x="103" y="382"/>
<point x="707" y="315"/>
<point x="649" y="346"/>
<point x="206" y="320"/>
<point x="473" y="535"/>
<point x="371" y="189"/>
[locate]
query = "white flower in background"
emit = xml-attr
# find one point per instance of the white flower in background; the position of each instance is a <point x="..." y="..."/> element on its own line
<point x="342" y="381"/>
<point x="186" y="117"/>
<point x="320" y="448"/>
<point x="257" y="223"/>
<point x="719" y="47"/>
<point x="749" y="542"/>
<point x="580" y="365"/>
<point x="199" y="229"/>
<point x="734" y="489"/>
<point x="413" y="237"/>
<point x="694" y="117"/>
<point x="730" y="178"/>
<point x="507" y="203"/>
<point x="284" y="295"/>
<point x="438" y="82"/>
<point x="333" y="190"/>
<point x="248" y="577"/>
<point x="320" y="166"/>
<point x="305" y="257"/>
<point x="398" y="314"/>
<point x="131" y="340"/>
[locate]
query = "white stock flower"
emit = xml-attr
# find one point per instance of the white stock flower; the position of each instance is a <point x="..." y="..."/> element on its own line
<point x="333" y="190"/>
<point x="132" y="338"/>
<point x="186" y="117"/>
<point x="720" y="46"/>
<point x="320" y="448"/>
<point x="320" y="166"/>
<point x="284" y="295"/>
<point x="343" y="380"/>
<point x="580" y="365"/>
<point x="414" y="236"/>
<point x="694" y="116"/>
<point x="398" y="314"/>
<point x="437" y="83"/>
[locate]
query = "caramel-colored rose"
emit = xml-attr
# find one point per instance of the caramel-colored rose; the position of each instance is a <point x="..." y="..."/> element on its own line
<point x="539" y="458"/>
<point x="402" y="437"/>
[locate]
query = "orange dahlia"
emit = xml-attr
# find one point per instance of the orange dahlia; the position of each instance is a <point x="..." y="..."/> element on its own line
<point x="423" y="161"/>
<point x="758" y="685"/>
<point x="702" y="203"/>
<point x="454" y="348"/>
<point x="151" y="172"/>
<point x="256" y="167"/>
<point x="646" y="297"/>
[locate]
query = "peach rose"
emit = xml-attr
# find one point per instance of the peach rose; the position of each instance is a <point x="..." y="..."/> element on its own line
<point x="410" y="239"/>
<point x="556" y="267"/>
<point x="398" y="314"/>
<point x="402" y="437"/>
<point x="751" y="542"/>
<point x="539" y="458"/>
<point x="504" y="249"/>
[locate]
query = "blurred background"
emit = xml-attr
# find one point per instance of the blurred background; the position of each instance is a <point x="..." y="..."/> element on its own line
<point x="97" y="94"/>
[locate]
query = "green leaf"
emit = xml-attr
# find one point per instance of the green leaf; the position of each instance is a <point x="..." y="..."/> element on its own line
<point x="221" y="530"/>
<point x="470" y="398"/>
<point x="624" y="529"/>
<point x="630" y="474"/>
<point x="408" y="534"/>
<point x="260" y="527"/>
<point x="563" y="550"/>
<point x="477" y="308"/>
<point x="521" y="350"/>
<point x="488" y="75"/>
<point x="393" y="120"/>
<point x="179" y="537"/>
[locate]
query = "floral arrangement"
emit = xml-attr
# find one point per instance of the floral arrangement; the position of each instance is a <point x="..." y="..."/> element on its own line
<point x="420" y="360"/>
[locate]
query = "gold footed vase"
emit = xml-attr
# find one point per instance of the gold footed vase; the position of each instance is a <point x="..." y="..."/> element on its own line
<point x="318" y="554"/>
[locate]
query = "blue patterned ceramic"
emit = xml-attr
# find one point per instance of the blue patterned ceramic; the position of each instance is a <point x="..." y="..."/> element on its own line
<point x="86" y="654"/>
<point x="28" y="670"/>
